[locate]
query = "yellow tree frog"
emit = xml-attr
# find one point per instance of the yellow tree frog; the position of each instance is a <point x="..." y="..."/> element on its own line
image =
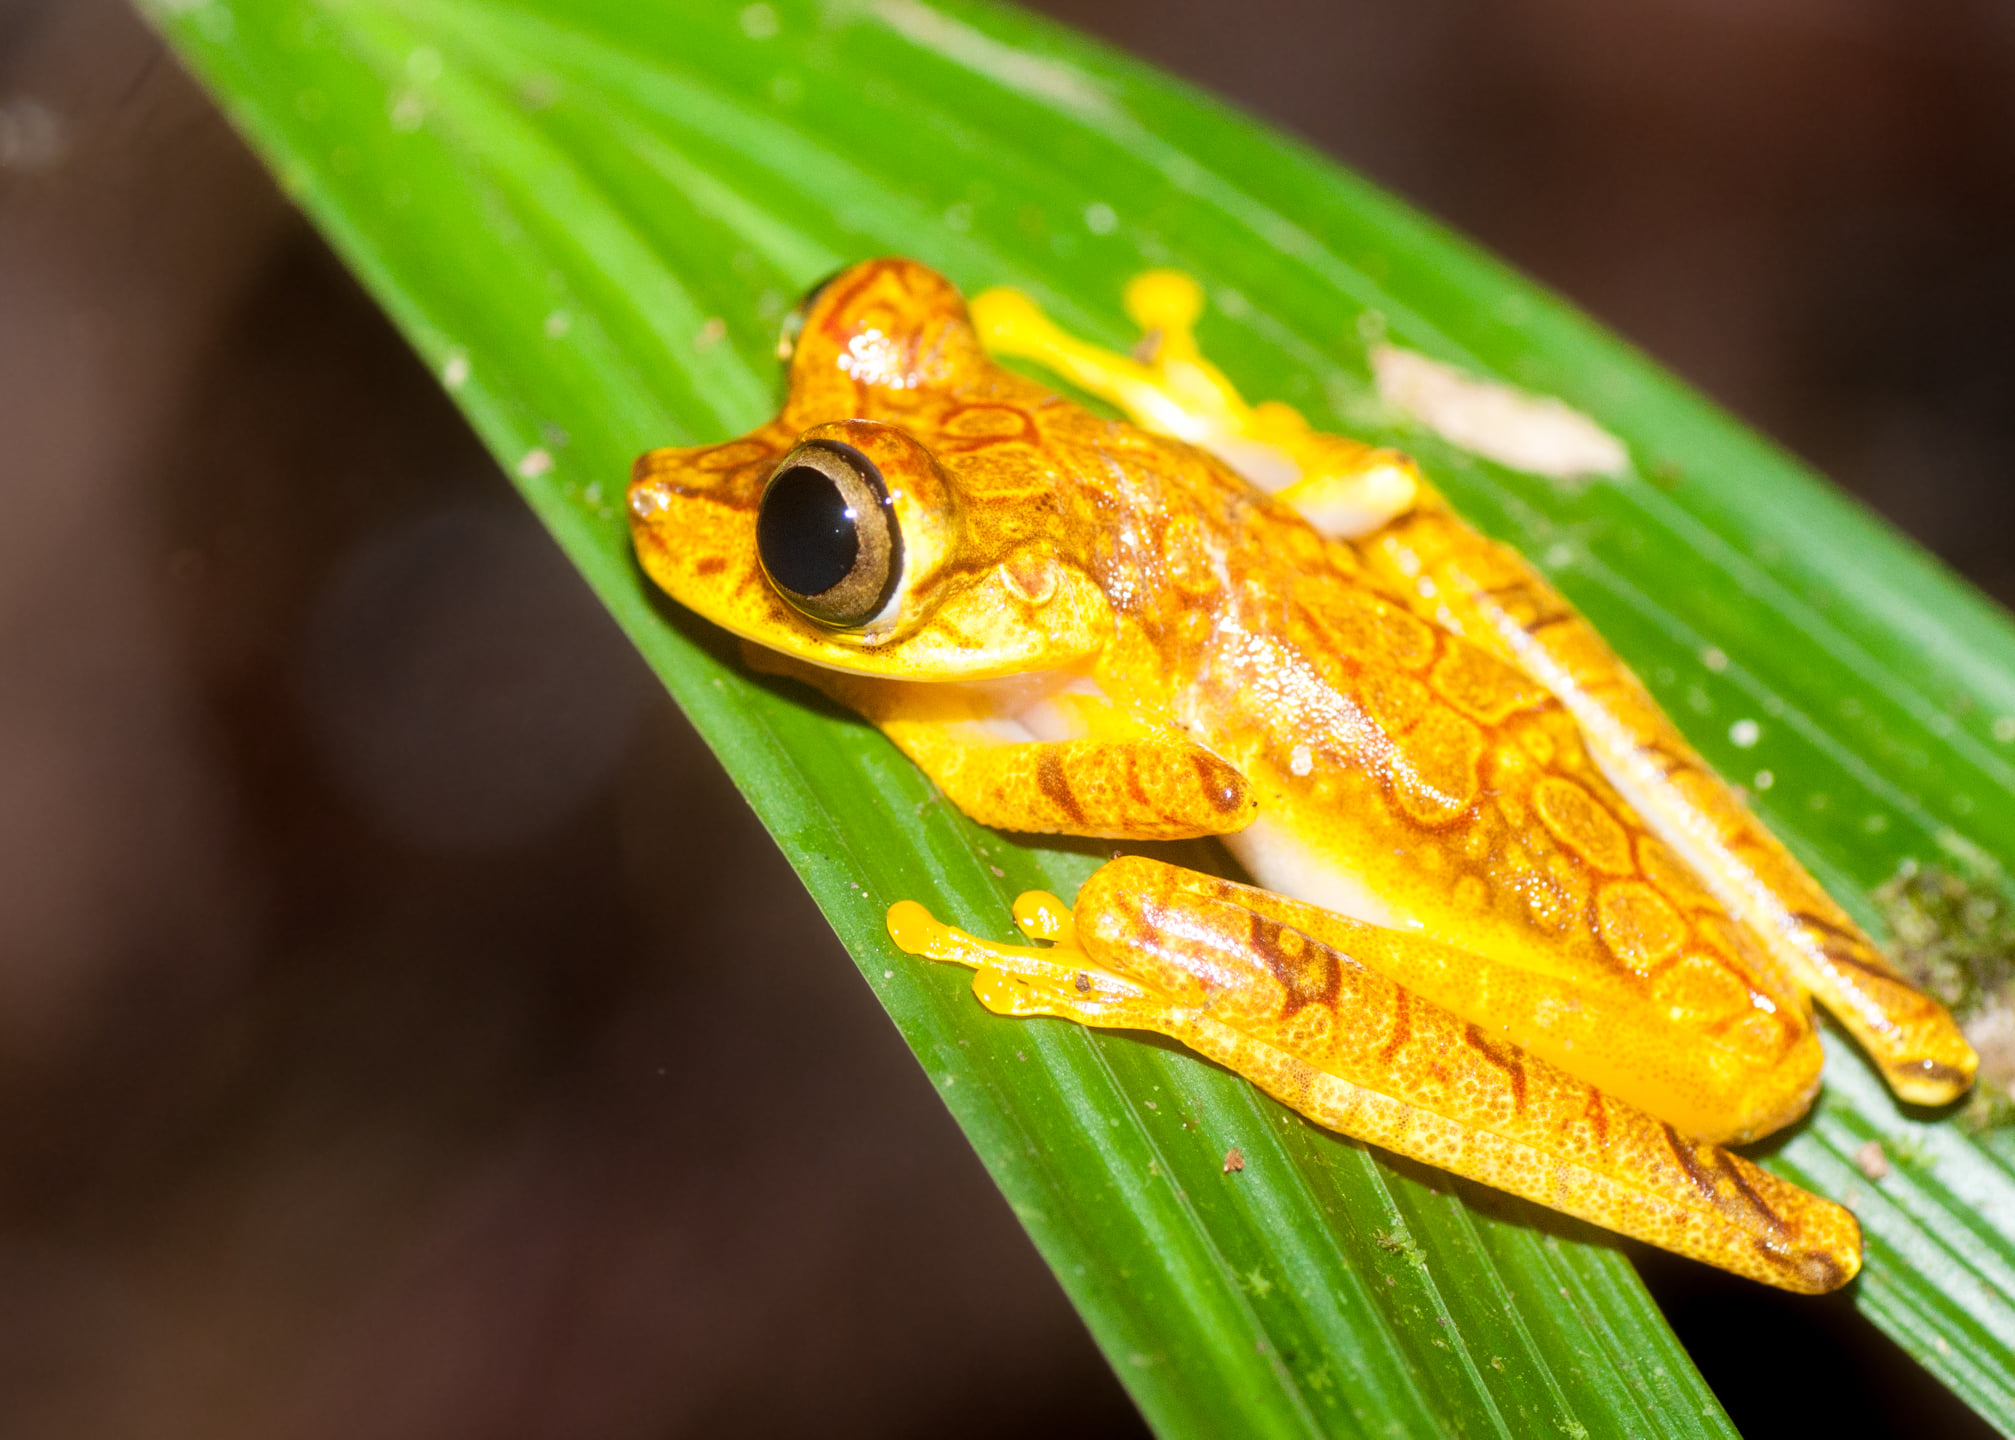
<point x="1506" y="921"/>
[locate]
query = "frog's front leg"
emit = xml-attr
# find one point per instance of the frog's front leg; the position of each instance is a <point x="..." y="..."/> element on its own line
<point x="1046" y="754"/>
<point x="1104" y="789"/>
<point x="1153" y="947"/>
<point x="1342" y="487"/>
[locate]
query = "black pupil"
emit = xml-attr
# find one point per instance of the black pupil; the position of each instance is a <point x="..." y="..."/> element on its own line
<point x="806" y="532"/>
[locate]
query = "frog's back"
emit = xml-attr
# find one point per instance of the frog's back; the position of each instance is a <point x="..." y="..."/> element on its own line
<point x="1408" y="777"/>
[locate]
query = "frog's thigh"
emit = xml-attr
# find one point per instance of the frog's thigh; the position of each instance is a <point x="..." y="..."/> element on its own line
<point x="1359" y="1054"/>
<point x="1493" y="596"/>
<point x="1712" y="1078"/>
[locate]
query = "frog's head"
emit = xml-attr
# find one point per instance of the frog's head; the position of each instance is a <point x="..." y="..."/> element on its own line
<point x="901" y="517"/>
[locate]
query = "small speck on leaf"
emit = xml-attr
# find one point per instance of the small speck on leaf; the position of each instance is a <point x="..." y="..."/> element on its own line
<point x="1233" y="1160"/>
<point x="1872" y="1160"/>
<point x="409" y="112"/>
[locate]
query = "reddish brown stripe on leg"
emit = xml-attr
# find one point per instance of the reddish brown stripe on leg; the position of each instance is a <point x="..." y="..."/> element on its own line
<point x="1055" y="784"/>
<point x="1506" y="1060"/>
<point x="1402" y="1025"/>
<point x="1597" y="1116"/>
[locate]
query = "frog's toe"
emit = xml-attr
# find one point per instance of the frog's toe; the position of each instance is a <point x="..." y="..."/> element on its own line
<point x="918" y="932"/>
<point x="1042" y="916"/>
<point x="1164" y="300"/>
<point x="1089" y="996"/>
<point x="1009" y="320"/>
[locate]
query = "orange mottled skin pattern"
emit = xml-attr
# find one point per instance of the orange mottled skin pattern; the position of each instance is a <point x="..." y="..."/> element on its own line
<point x="1492" y="595"/>
<point x="1552" y="1003"/>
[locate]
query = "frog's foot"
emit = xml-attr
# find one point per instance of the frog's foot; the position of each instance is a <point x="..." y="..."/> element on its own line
<point x="1342" y="488"/>
<point x="1152" y="947"/>
<point x="1020" y="981"/>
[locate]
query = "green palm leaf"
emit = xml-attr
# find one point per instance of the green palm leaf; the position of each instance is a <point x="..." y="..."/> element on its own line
<point x="589" y="216"/>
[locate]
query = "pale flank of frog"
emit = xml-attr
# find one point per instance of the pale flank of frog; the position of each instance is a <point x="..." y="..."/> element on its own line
<point x="1470" y="948"/>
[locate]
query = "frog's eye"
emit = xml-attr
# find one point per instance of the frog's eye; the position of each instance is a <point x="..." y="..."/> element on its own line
<point x="827" y="535"/>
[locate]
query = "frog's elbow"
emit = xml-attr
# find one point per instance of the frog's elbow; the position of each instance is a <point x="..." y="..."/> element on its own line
<point x="1224" y="789"/>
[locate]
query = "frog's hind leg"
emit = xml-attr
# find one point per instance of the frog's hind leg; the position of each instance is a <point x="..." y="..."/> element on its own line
<point x="1491" y="595"/>
<point x="1152" y="947"/>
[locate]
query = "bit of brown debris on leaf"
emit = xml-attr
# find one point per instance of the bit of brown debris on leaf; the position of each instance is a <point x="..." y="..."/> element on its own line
<point x="1233" y="1160"/>
<point x="1872" y="1160"/>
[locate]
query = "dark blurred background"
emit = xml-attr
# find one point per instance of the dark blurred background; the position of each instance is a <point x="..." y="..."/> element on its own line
<point x="404" y="1028"/>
